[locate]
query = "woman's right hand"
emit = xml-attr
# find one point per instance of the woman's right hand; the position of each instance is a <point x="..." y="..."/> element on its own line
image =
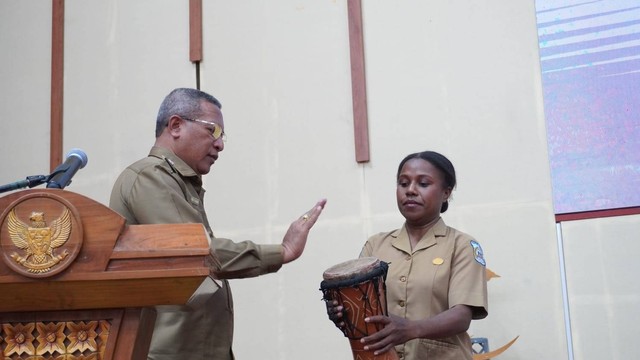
<point x="334" y="310"/>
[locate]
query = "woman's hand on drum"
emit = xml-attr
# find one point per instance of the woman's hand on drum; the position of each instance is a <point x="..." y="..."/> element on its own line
<point x="397" y="330"/>
<point x="334" y="310"/>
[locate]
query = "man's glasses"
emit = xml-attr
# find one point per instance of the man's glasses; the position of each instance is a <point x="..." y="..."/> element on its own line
<point x="216" y="132"/>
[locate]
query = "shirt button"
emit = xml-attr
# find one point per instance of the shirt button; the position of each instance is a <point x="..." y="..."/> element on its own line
<point x="403" y="278"/>
<point x="408" y="257"/>
<point x="401" y="303"/>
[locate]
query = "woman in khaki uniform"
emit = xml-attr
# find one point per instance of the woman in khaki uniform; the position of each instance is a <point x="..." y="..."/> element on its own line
<point x="436" y="282"/>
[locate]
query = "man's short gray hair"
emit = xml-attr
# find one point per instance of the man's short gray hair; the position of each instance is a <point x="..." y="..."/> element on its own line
<point x="183" y="102"/>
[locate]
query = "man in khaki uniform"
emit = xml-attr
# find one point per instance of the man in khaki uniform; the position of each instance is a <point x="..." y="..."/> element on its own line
<point x="166" y="187"/>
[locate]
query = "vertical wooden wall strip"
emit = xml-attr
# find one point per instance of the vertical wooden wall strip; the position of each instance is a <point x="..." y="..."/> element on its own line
<point x="57" y="82"/>
<point x="195" y="30"/>
<point x="195" y="36"/>
<point x="358" y="81"/>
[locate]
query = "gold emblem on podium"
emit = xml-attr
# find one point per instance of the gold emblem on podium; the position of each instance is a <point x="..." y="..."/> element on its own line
<point x="40" y="234"/>
<point x="39" y="241"/>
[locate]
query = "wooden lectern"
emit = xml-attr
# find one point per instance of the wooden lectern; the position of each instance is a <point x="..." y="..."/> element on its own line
<point x="74" y="279"/>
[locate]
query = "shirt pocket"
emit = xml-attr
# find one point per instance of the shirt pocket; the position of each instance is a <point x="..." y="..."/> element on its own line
<point x="441" y="350"/>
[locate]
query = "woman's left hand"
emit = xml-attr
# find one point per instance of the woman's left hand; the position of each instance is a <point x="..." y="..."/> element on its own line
<point x="397" y="330"/>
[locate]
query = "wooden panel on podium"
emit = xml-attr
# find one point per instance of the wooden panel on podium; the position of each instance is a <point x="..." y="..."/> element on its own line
<point x="77" y="283"/>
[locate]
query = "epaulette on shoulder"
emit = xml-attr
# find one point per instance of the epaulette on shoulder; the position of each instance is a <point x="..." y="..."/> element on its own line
<point x="170" y="163"/>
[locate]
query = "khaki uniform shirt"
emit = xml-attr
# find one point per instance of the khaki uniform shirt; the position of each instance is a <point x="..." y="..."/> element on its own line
<point x="161" y="189"/>
<point x="446" y="268"/>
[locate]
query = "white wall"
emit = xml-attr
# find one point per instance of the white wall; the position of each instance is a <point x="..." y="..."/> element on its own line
<point x="121" y="59"/>
<point x="25" y="83"/>
<point x="604" y="292"/>
<point x="459" y="77"/>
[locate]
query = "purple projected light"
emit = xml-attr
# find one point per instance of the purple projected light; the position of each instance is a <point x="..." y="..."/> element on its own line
<point x="590" y="59"/>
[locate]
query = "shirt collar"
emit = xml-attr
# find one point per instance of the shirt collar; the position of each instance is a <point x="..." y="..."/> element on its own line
<point x="174" y="161"/>
<point x="401" y="237"/>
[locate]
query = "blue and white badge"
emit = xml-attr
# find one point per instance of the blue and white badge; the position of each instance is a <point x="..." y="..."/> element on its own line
<point x="477" y="253"/>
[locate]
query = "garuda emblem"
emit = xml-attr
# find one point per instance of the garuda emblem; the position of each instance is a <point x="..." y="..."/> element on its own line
<point x="39" y="241"/>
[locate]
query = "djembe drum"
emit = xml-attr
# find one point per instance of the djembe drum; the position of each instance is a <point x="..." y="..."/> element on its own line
<point x="358" y="285"/>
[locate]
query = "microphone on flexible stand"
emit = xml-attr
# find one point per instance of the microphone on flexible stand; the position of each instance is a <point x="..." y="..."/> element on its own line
<point x="61" y="176"/>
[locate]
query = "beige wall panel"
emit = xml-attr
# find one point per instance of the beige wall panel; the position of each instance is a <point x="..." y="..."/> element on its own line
<point x="520" y="248"/>
<point x="25" y="88"/>
<point x="281" y="70"/>
<point x="601" y="257"/>
<point x="121" y="59"/>
<point x="462" y="78"/>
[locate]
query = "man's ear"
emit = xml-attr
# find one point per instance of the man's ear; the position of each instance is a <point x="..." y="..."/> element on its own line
<point x="174" y="124"/>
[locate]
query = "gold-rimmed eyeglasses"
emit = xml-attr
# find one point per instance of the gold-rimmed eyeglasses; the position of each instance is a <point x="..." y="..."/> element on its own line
<point x="216" y="132"/>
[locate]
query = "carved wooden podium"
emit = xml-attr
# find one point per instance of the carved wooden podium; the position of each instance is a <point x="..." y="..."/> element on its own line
<point x="74" y="279"/>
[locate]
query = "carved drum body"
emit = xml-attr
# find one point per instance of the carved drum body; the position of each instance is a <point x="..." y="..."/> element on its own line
<point x="358" y="285"/>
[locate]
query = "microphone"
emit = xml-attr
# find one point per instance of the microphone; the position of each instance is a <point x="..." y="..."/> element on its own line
<point x="61" y="176"/>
